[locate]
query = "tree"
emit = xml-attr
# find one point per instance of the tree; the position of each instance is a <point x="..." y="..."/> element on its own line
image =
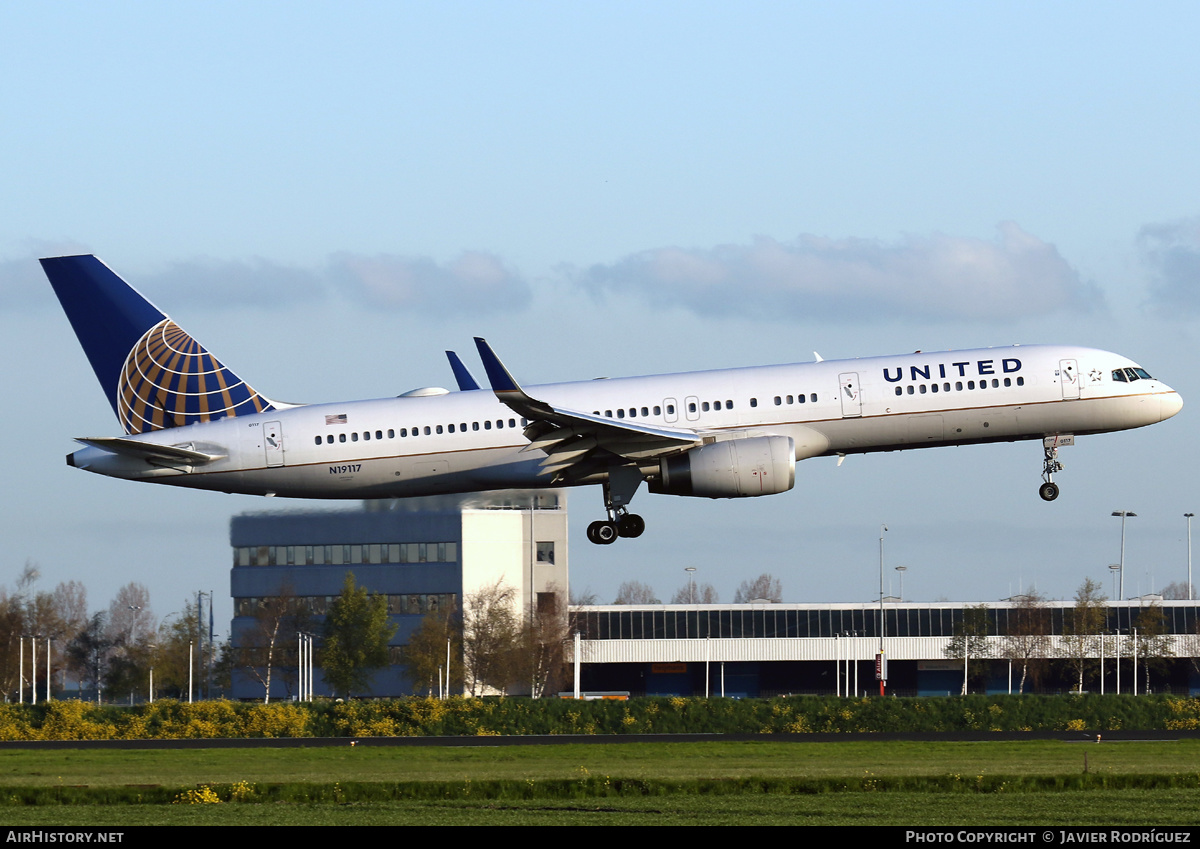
<point x="1082" y="627"/>
<point x="438" y="636"/>
<point x="90" y="653"/>
<point x="271" y="641"/>
<point x="1178" y="590"/>
<point x="970" y="638"/>
<point x="1153" y="643"/>
<point x="635" y="592"/>
<point x="765" y="586"/>
<point x="176" y="657"/>
<point x="543" y="640"/>
<point x="1027" y="640"/>
<point x="491" y="635"/>
<point x="693" y="593"/>
<point x="357" y="633"/>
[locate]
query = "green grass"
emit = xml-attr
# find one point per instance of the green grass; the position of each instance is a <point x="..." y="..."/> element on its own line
<point x="892" y="783"/>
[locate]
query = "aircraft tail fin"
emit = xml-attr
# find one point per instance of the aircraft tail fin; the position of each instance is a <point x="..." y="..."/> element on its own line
<point x="154" y="374"/>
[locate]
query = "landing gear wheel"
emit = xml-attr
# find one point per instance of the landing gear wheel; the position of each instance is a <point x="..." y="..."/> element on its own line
<point x="1048" y="491"/>
<point x="631" y="525"/>
<point x="602" y="533"/>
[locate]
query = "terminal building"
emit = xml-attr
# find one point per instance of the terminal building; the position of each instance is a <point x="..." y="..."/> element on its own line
<point x="423" y="554"/>
<point x="427" y="555"/>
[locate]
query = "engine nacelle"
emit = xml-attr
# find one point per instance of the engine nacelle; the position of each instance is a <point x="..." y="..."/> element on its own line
<point x="735" y="468"/>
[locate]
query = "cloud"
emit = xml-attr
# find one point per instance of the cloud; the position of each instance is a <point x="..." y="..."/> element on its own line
<point x="1172" y="251"/>
<point x="227" y="283"/>
<point x="936" y="277"/>
<point x="476" y="282"/>
<point x="22" y="284"/>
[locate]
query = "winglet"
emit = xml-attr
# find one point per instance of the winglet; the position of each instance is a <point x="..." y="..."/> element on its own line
<point x="506" y="387"/>
<point x="466" y="380"/>
<point x="497" y="374"/>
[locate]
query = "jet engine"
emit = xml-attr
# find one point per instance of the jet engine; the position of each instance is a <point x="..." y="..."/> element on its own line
<point x="735" y="468"/>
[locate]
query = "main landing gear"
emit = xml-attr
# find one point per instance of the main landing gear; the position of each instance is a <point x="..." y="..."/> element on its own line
<point x="622" y="482"/>
<point x="624" y="524"/>
<point x="1049" y="489"/>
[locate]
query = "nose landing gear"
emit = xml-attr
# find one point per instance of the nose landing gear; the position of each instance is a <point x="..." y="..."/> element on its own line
<point x="1050" y="464"/>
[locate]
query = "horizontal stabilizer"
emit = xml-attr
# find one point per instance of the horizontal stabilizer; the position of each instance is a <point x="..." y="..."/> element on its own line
<point x="159" y="455"/>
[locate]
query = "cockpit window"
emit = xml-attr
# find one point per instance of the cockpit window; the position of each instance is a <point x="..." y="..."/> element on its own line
<point x="1119" y="375"/>
<point x="1142" y="373"/>
<point x="1131" y="374"/>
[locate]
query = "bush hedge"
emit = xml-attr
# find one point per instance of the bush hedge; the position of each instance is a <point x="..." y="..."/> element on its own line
<point x="167" y="719"/>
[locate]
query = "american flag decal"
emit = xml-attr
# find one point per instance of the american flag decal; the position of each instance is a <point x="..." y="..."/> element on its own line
<point x="340" y="418"/>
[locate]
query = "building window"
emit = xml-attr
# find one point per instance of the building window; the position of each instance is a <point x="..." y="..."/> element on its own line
<point x="545" y="552"/>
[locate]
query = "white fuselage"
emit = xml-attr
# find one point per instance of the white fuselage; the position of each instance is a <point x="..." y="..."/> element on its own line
<point x="469" y="441"/>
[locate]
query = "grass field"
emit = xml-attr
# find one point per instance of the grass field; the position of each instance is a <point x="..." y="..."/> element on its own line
<point x="877" y="783"/>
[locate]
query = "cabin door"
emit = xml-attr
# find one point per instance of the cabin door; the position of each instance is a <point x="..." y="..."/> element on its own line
<point x="851" y="394"/>
<point x="1068" y="376"/>
<point x="272" y="436"/>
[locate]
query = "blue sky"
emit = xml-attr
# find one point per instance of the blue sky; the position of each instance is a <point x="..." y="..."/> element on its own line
<point x="330" y="196"/>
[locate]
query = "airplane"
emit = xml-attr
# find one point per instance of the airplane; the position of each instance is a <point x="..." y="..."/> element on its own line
<point x="730" y="433"/>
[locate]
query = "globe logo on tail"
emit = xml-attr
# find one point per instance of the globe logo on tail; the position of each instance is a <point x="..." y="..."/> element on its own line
<point x="169" y="380"/>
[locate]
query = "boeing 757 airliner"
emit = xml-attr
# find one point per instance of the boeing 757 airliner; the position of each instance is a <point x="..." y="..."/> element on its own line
<point x="190" y="421"/>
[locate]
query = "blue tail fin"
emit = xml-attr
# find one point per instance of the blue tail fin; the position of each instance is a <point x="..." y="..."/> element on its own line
<point x="155" y="375"/>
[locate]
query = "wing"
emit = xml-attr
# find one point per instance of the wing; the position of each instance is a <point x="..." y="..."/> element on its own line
<point x="577" y="443"/>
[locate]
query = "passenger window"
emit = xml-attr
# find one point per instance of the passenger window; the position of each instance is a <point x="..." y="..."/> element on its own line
<point x="753" y="402"/>
<point x="620" y="414"/>
<point x="910" y="389"/>
<point x="487" y="425"/>
<point x="899" y="390"/>
<point x="958" y="385"/>
<point x="1008" y="381"/>
<point x="970" y="384"/>
<point x="341" y="437"/>
<point x="645" y="412"/>
<point x="813" y="397"/>
<point x="657" y="410"/>
<point x="391" y="433"/>
<point x="923" y="389"/>
<point x="427" y="430"/>
<point x="354" y="437"/>
<point x="995" y="383"/>
<point x="329" y="439"/>
<point x="691" y="406"/>
<point x="933" y="387"/>
<point x="439" y="428"/>
<point x="1020" y="381"/>
<point x="318" y="440"/>
<point x="512" y="422"/>
<point x="704" y="406"/>
<point x="450" y="428"/>
<point x="778" y="400"/>
<point x="789" y="399"/>
<point x="367" y="435"/>
<point x="670" y="409"/>
<point x="728" y="405"/>
<point x="800" y="398"/>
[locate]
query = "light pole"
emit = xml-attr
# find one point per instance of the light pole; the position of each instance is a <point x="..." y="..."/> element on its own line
<point x="691" y="570"/>
<point x="880" y="662"/>
<point x="901" y="570"/>
<point x="1189" y="516"/>
<point x="1123" y="514"/>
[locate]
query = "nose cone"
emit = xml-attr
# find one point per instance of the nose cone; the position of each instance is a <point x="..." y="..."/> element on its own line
<point x="1169" y="405"/>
